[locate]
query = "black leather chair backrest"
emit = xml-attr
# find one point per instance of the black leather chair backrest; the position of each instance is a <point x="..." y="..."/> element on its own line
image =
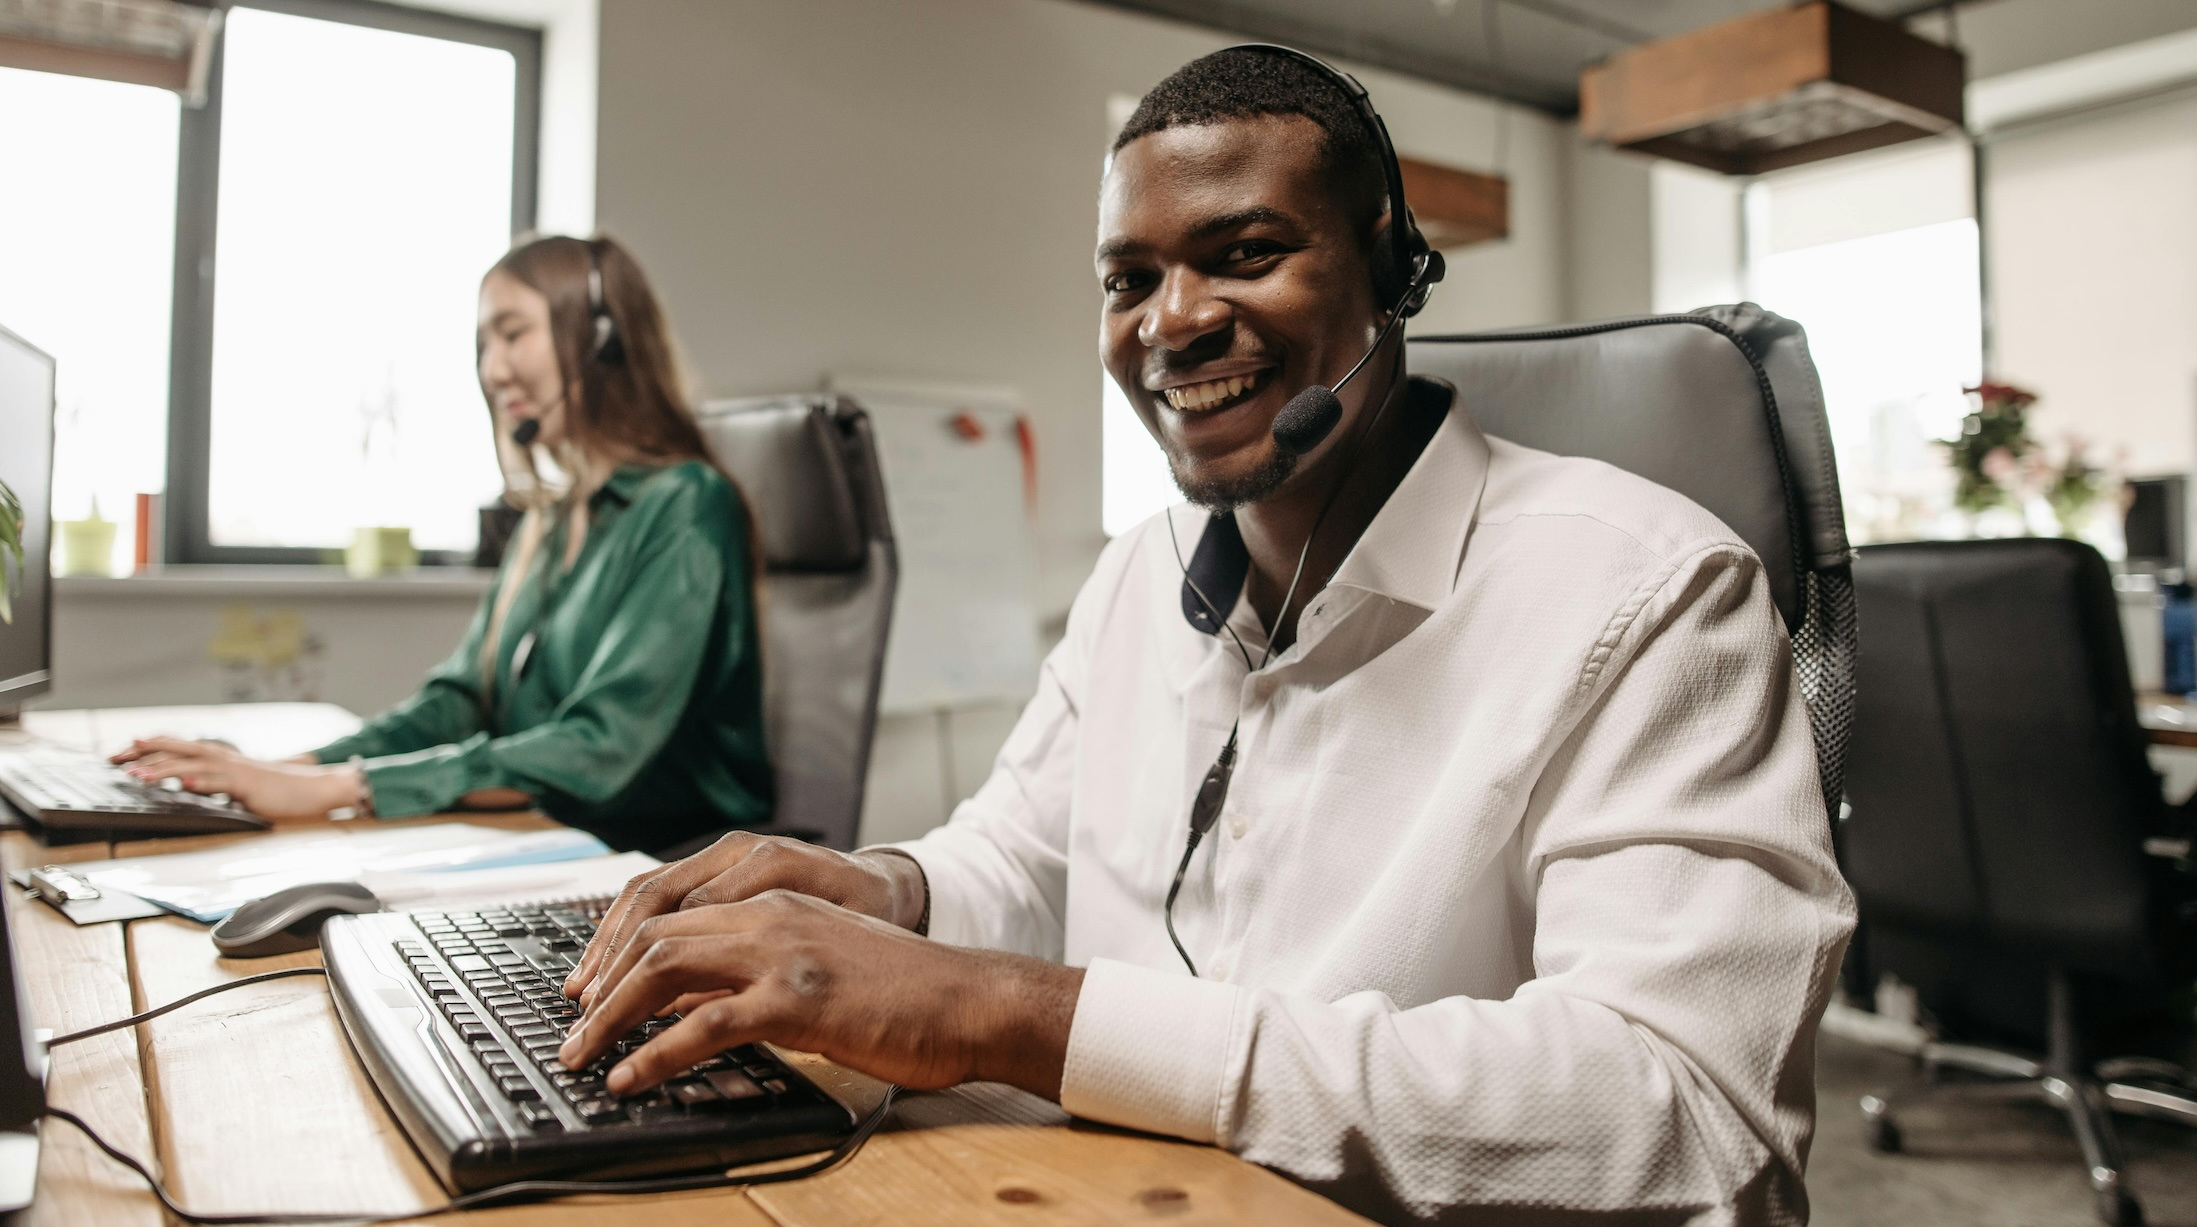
<point x="808" y="466"/>
<point x="1723" y="406"/>
<point x="1998" y="777"/>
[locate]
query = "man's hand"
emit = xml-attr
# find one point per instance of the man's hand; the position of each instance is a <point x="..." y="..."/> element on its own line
<point x="278" y="792"/>
<point x="741" y="866"/>
<point x="791" y="969"/>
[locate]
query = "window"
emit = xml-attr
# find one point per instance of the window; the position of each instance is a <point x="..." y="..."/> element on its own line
<point x="87" y="272"/>
<point x="1134" y="481"/>
<point x="1895" y="324"/>
<point x="356" y="168"/>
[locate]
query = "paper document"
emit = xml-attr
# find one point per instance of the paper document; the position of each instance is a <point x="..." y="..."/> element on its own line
<point x="462" y="889"/>
<point x="207" y="886"/>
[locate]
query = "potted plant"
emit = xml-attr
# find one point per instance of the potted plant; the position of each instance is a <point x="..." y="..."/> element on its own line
<point x="11" y="545"/>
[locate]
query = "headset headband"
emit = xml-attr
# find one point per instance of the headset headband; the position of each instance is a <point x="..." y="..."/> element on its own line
<point x="609" y="347"/>
<point x="1418" y="265"/>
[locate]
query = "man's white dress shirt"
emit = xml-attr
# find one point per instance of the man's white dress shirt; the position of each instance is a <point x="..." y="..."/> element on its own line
<point x="1523" y="894"/>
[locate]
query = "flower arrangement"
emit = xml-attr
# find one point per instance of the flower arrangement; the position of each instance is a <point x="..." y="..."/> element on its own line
<point x="1994" y="440"/>
<point x="11" y="545"/>
<point x="1998" y="463"/>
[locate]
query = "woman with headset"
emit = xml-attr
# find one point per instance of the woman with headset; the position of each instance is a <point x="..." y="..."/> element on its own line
<point x="612" y="675"/>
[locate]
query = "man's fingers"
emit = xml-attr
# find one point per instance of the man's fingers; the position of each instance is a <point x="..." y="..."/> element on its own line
<point x="583" y="973"/>
<point x="671" y="968"/>
<point x="725" y="1022"/>
<point x="634" y="905"/>
<point x="652" y="894"/>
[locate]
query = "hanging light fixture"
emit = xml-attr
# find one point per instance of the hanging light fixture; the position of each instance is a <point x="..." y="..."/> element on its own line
<point x="1773" y="89"/>
<point x="141" y="42"/>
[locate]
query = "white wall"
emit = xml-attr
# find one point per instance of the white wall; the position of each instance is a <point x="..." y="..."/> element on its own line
<point x="857" y="185"/>
<point x="2092" y="229"/>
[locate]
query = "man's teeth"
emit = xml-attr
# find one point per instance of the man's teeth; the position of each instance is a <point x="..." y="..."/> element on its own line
<point x="1212" y="392"/>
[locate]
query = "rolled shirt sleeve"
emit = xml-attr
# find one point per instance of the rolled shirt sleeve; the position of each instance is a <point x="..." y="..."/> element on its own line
<point x="1686" y="912"/>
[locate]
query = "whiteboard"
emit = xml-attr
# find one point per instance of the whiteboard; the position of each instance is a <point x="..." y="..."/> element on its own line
<point x="965" y="625"/>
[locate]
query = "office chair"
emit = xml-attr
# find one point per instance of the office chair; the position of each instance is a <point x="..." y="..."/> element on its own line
<point x="1721" y="405"/>
<point x="808" y="465"/>
<point x="1997" y="842"/>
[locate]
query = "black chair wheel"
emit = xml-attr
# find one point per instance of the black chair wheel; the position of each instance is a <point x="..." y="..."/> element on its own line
<point x="2119" y="1208"/>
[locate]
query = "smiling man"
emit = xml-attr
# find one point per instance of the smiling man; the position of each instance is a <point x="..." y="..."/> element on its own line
<point x="1518" y="893"/>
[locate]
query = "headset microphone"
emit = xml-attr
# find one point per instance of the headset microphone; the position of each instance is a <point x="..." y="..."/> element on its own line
<point x="1311" y="415"/>
<point x="525" y="432"/>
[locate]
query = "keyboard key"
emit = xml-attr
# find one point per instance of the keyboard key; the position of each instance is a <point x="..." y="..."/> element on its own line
<point x="600" y="1111"/>
<point x="732" y="1084"/>
<point x="503" y="1069"/>
<point x="539" y="1116"/>
<point x="694" y="1092"/>
<point x="469" y="962"/>
<point x="776" y="1086"/>
<point x="517" y="1088"/>
<point x="532" y="1030"/>
<point x="475" y="1031"/>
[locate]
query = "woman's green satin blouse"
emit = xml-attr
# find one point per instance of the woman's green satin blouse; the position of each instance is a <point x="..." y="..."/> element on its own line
<point x="629" y="688"/>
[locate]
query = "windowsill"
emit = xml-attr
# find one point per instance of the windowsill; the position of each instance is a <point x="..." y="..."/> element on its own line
<point x="268" y="582"/>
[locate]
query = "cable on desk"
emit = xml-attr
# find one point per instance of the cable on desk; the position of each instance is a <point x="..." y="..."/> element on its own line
<point x="502" y="1194"/>
<point x="158" y="1010"/>
<point x="516" y="1191"/>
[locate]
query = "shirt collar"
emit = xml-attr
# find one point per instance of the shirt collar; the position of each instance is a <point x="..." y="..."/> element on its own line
<point x="625" y="480"/>
<point x="1411" y="551"/>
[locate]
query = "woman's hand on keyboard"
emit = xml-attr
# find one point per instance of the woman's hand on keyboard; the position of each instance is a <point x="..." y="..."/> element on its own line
<point x="278" y="792"/>
<point x="794" y="970"/>
<point x="741" y="866"/>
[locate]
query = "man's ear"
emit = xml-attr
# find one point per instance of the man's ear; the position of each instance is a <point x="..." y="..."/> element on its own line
<point x="1388" y="287"/>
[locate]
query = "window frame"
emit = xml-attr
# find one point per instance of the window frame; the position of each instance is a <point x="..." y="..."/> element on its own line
<point x="189" y="536"/>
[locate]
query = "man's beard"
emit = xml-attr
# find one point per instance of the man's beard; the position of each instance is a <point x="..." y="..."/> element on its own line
<point x="1222" y="495"/>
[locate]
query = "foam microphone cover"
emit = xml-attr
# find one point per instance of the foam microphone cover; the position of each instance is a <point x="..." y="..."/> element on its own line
<point x="523" y="434"/>
<point x="1309" y="417"/>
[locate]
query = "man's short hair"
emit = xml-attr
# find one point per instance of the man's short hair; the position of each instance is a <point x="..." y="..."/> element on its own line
<point x="1239" y="84"/>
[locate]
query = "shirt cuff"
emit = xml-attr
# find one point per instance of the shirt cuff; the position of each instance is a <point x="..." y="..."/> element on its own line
<point x="1151" y="1050"/>
<point x="426" y="781"/>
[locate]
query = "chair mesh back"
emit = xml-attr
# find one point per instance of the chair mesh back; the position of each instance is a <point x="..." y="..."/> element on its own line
<point x="1824" y="651"/>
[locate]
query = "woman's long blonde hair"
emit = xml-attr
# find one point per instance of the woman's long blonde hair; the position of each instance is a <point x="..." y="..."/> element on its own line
<point x="631" y="410"/>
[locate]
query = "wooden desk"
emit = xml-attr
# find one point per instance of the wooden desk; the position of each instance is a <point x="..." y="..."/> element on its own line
<point x="253" y="1101"/>
<point x="2169" y="718"/>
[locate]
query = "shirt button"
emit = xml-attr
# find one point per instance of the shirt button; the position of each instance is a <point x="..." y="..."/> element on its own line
<point x="1238" y="825"/>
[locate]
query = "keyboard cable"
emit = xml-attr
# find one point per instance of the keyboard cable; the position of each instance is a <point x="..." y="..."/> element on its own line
<point x="503" y="1194"/>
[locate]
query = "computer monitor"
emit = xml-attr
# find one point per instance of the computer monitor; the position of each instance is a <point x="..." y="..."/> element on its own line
<point x="2154" y="528"/>
<point x="26" y="465"/>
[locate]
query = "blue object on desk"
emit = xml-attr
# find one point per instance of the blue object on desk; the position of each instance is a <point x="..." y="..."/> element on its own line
<point x="2178" y="621"/>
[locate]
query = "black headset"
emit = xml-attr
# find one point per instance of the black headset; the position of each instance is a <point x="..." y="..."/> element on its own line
<point x="609" y="348"/>
<point x="1405" y="265"/>
<point x="1404" y="272"/>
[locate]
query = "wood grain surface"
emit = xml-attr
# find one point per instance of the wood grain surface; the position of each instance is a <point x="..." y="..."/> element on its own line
<point x="254" y="1101"/>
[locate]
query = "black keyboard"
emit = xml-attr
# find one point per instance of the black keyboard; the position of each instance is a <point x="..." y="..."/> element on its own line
<point x="514" y="962"/>
<point x="481" y="1090"/>
<point x="68" y="791"/>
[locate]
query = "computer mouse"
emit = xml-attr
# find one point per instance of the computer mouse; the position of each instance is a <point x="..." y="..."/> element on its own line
<point x="289" y="920"/>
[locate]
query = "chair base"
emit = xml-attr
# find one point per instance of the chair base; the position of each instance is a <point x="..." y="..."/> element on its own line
<point x="2132" y="1086"/>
